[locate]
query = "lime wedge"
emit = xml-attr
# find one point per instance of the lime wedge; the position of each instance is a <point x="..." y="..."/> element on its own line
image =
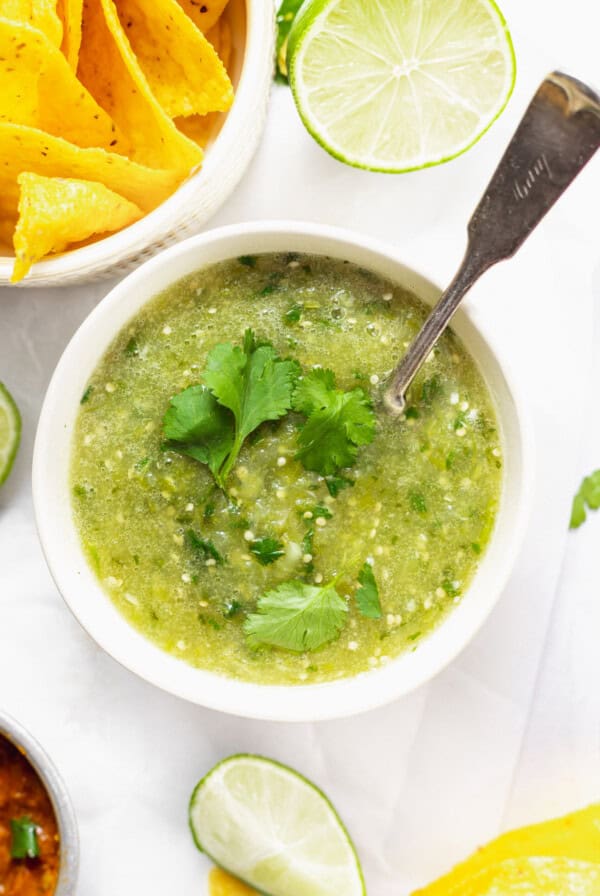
<point x="273" y="829"/>
<point x="397" y="85"/>
<point x="10" y="432"/>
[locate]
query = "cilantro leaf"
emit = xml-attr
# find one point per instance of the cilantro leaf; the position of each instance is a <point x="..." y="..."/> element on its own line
<point x="232" y="608"/>
<point x="417" y="502"/>
<point x="266" y="550"/>
<point x="298" y="617"/>
<point x="308" y="548"/>
<point x="244" y="387"/>
<point x="196" y="425"/>
<point x="314" y="391"/>
<point x="337" y="424"/>
<point x="588" y="494"/>
<point x="285" y="19"/>
<point x="367" y="596"/>
<point x="578" y="512"/>
<point x="24" y="842"/>
<point x="293" y="315"/>
<point x="253" y="383"/>
<point x="335" y="484"/>
<point x="590" y="489"/>
<point x="321" y="510"/>
<point x="132" y="348"/>
<point x="203" y="547"/>
<point x="430" y="390"/>
<point x="450" y="588"/>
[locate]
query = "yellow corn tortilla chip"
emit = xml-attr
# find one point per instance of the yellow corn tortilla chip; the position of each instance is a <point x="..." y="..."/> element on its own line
<point x="182" y="68"/>
<point x="110" y="71"/>
<point x="7" y="228"/>
<point x="220" y="37"/>
<point x="38" y="88"/>
<point x="28" y="149"/>
<point x="55" y="212"/>
<point x="71" y="15"/>
<point x="204" y="128"/>
<point x="575" y="836"/>
<point x="537" y="876"/>
<point x="41" y="14"/>
<point x="222" y="884"/>
<point x="200" y="128"/>
<point x="203" y="13"/>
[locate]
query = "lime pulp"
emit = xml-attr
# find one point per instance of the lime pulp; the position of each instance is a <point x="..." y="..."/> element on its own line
<point x="273" y="829"/>
<point x="398" y="85"/>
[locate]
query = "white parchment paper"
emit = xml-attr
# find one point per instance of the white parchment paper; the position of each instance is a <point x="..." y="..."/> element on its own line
<point x="509" y="732"/>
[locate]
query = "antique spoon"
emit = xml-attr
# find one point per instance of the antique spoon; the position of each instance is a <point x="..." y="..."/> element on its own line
<point x="558" y="135"/>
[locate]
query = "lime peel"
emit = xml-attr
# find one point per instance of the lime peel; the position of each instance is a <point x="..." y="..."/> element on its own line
<point x="400" y="92"/>
<point x="10" y="432"/>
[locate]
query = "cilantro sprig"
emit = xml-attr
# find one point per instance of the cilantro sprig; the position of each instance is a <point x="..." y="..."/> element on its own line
<point x="337" y="423"/>
<point x="587" y="496"/>
<point x="296" y="616"/>
<point x="243" y="387"/>
<point x="246" y="386"/>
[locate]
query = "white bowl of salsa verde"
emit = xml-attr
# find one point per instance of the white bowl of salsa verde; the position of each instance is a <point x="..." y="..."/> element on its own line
<point x="223" y="502"/>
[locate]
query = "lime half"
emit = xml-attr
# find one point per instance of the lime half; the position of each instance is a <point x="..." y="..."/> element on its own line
<point x="269" y="826"/>
<point x="396" y="85"/>
<point x="10" y="432"/>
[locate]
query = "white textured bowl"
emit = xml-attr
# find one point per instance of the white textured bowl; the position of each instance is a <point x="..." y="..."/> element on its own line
<point x="199" y="197"/>
<point x="94" y="609"/>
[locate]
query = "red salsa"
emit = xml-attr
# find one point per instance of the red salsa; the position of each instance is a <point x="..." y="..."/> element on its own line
<point x="27" y="825"/>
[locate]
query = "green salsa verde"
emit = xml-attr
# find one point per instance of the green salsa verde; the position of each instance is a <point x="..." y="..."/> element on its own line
<point x="186" y="561"/>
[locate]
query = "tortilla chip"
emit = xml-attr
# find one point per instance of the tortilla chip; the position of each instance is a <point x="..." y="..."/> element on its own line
<point x="37" y="87"/>
<point x="537" y="876"/>
<point x="110" y="71"/>
<point x="203" y="13"/>
<point x="7" y="228"/>
<point x="28" y="149"/>
<point x="575" y="836"/>
<point x="204" y="128"/>
<point x="220" y="37"/>
<point x="222" y="884"/>
<point x="200" y="128"/>
<point x="39" y="13"/>
<point x="182" y="68"/>
<point x="71" y="14"/>
<point x="55" y="212"/>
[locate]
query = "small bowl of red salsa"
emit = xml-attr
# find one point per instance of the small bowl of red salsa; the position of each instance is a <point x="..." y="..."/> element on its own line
<point x="39" y="848"/>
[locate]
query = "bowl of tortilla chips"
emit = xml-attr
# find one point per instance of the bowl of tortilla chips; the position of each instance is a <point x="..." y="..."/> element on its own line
<point x="124" y="125"/>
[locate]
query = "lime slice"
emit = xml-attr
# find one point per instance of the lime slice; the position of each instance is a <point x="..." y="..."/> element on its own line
<point x="396" y="85"/>
<point x="10" y="432"/>
<point x="269" y="826"/>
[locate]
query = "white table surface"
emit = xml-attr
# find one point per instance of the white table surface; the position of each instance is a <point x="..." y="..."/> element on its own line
<point x="510" y="732"/>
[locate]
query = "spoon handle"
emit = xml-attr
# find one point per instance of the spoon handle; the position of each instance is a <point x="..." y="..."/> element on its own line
<point x="558" y="135"/>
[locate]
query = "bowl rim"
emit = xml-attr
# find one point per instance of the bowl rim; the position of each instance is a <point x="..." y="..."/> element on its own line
<point x="339" y="698"/>
<point x="177" y="213"/>
<point x="14" y="732"/>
